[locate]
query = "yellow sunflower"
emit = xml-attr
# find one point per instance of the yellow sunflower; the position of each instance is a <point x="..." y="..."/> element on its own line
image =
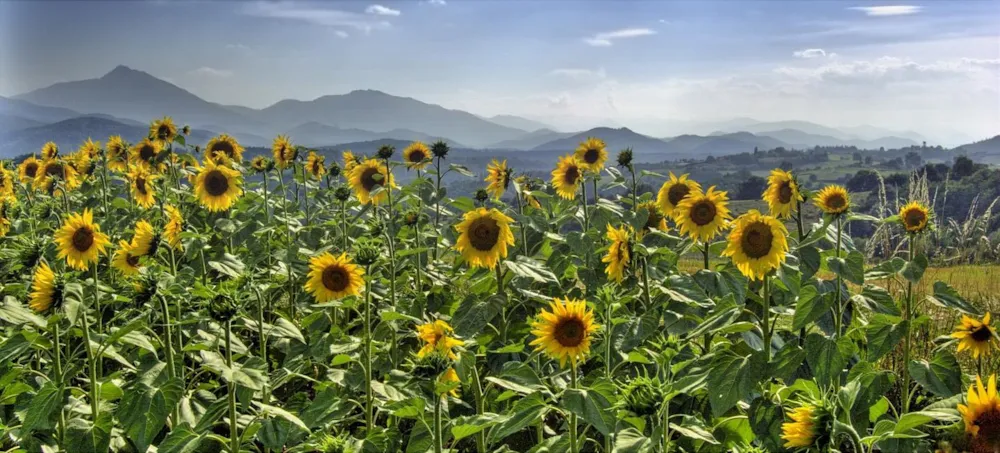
<point x="833" y="199"/>
<point x="437" y="337"/>
<point x="782" y="193"/>
<point x="163" y="129"/>
<point x="618" y="253"/>
<point x="591" y="154"/>
<point x="217" y="187"/>
<point x="145" y="241"/>
<point x="447" y="378"/>
<point x="49" y="151"/>
<point x="117" y="154"/>
<point x="80" y="240"/>
<point x="334" y="277"/>
<point x="654" y="216"/>
<point x="316" y="165"/>
<point x="224" y="145"/>
<point x="757" y="244"/>
<point x="284" y="151"/>
<point x="528" y="185"/>
<point x="175" y="225"/>
<point x="52" y="170"/>
<point x="144" y="153"/>
<point x="498" y="177"/>
<point x="43" y="288"/>
<point x="28" y="169"/>
<point x="975" y="335"/>
<point x="801" y="431"/>
<point x="143" y="190"/>
<point x="366" y="177"/>
<point x="564" y="332"/>
<point x="259" y="164"/>
<point x="483" y="237"/>
<point x="6" y="181"/>
<point x="673" y="191"/>
<point x="82" y="162"/>
<point x="126" y="260"/>
<point x="567" y="176"/>
<point x="417" y="156"/>
<point x="350" y="161"/>
<point x="915" y="217"/>
<point x="4" y="221"/>
<point x="703" y="215"/>
<point x="981" y="413"/>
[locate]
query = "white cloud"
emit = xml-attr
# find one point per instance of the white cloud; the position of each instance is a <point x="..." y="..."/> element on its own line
<point x="206" y="71"/>
<point x="888" y="10"/>
<point x="381" y="10"/>
<point x="436" y="2"/>
<point x="237" y="46"/>
<point x="579" y="74"/>
<point x="810" y="53"/>
<point x="341" y="33"/>
<point x="605" y="39"/>
<point x="892" y="70"/>
<point x="313" y="14"/>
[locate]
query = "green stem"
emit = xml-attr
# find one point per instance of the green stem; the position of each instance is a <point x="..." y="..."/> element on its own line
<point x="416" y="233"/>
<point x="838" y="320"/>
<point x="343" y="223"/>
<point x="635" y="200"/>
<point x="91" y="360"/>
<point x="666" y="426"/>
<point x="596" y="193"/>
<point x="437" y="208"/>
<point x="438" y="440"/>
<point x="234" y="438"/>
<point x="61" y="424"/>
<point x="704" y="248"/>
<point x="369" y="400"/>
<point x="573" y="446"/>
<point x="262" y="339"/>
<point x="169" y="350"/>
<point x="645" y="283"/>
<point x="477" y="388"/>
<point x="586" y="216"/>
<point x="499" y="275"/>
<point x="524" y="233"/>
<point x="766" y="318"/>
<point x="908" y="317"/>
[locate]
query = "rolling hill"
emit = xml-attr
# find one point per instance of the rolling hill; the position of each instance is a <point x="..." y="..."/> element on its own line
<point x="615" y="139"/>
<point x="518" y="122"/>
<point x="69" y="134"/>
<point x="317" y="135"/>
<point x="531" y="140"/>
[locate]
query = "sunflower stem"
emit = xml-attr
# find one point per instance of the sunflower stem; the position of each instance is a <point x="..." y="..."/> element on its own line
<point x="438" y="441"/>
<point x="437" y="207"/>
<point x="635" y="199"/>
<point x="798" y="223"/>
<point x="262" y="340"/>
<point x="416" y="233"/>
<point x="524" y="233"/>
<point x="234" y="438"/>
<point x="61" y="424"/>
<point x="369" y="418"/>
<point x="499" y="275"/>
<point x="645" y="283"/>
<point x="704" y="249"/>
<point x="597" y="177"/>
<point x="343" y="223"/>
<point x="838" y="320"/>
<point x="586" y="217"/>
<point x="91" y="360"/>
<point x="907" y="317"/>
<point x="766" y="317"/>
<point x="169" y="351"/>
<point x="477" y="388"/>
<point x="573" y="446"/>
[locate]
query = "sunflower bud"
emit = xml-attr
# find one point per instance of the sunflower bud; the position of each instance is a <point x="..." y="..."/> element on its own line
<point x="145" y="288"/>
<point x="197" y="149"/>
<point x="625" y="157"/>
<point x="412" y="217"/>
<point x="367" y="252"/>
<point x="334" y="169"/>
<point x="376" y="228"/>
<point x="330" y="444"/>
<point x="431" y="366"/>
<point x="385" y="152"/>
<point x="186" y="130"/>
<point x="342" y="194"/>
<point x="482" y="195"/>
<point x="31" y="253"/>
<point x="440" y="149"/>
<point x="643" y="396"/>
<point x="222" y="308"/>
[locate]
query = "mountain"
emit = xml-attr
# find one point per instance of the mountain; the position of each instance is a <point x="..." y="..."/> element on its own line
<point x="69" y="134"/>
<point x="531" y="140"/>
<point x="720" y="145"/>
<point x="982" y="151"/>
<point x="518" y="122"/>
<point x="799" y="139"/>
<point x="317" y="134"/>
<point x="9" y="123"/>
<point x="866" y="132"/>
<point x="38" y="113"/>
<point x="377" y="111"/>
<point x="615" y="139"/>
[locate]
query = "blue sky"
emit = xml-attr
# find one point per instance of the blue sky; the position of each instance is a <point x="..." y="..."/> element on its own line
<point x="930" y="65"/>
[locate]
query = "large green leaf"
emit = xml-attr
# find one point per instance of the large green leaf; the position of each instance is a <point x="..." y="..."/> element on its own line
<point x="732" y="379"/>
<point x="181" y="440"/>
<point x="946" y="296"/>
<point x="147" y="403"/>
<point x="851" y="269"/>
<point x="630" y="440"/>
<point x="883" y="333"/>
<point x="810" y="306"/>
<point x="590" y="406"/>
<point x="941" y="376"/>
<point x="525" y="412"/>
<point x="914" y="270"/>
<point x="45" y="404"/>
<point x="692" y="427"/>
<point x="463" y="427"/>
<point x="82" y="436"/>
<point x="827" y="357"/>
<point x="475" y="313"/>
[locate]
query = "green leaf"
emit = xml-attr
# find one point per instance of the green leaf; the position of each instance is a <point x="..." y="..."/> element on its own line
<point x="827" y="357"/>
<point x="525" y="412"/>
<point x="475" y="313"/>
<point x="886" y="269"/>
<point x="181" y="440"/>
<point x="533" y="269"/>
<point x="274" y="411"/>
<point x="85" y="437"/>
<point x="635" y="331"/>
<point x="461" y="169"/>
<point x="12" y="312"/>
<point x="463" y="427"/>
<point x="694" y="428"/>
<point x="810" y="306"/>
<point x="941" y="376"/>
<point x="44" y="405"/>
<point x="732" y="379"/>
<point x="913" y="420"/>
<point x="229" y="265"/>
<point x="878" y="299"/>
<point x="914" y="270"/>
<point x="787" y="361"/>
<point x="590" y="406"/>
<point x="883" y="333"/>
<point x="946" y="296"/>
<point x="630" y="440"/>
<point x="147" y="403"/>
<point x="851" y="269"/>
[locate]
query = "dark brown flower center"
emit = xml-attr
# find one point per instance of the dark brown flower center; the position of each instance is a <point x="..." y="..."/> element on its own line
<point x="982" y="334"/>
<point x="914" y="218"/>
<point x="335" y="278"/>
<point x="54" y="169"/>
<point x="224" y="147"/>
<point x="163" y="131"/>
<point x="147" y="152"/>
<point x="417" y="156"/>
<point x="569" y="332"/>
<point x="654" y="217"/>
<point x="703" y="212"/>
<point x="83" y="239"/>
<point x="989" y="431"/>
<point x="591" y="155"/>
<point x="369" y="180"/>
<point x="132" y="260"/>
<point x="484" y="233"/>
<point x="216" y="183"/>
<point x="785" y="192"/>
<point x="836" y="201"/>
<point x="756" y="241"/>
<point x="140" y="185"/>
<point x="572" y="174"/>
<point x="677" y="193"/>
<point x="31" y="169"/>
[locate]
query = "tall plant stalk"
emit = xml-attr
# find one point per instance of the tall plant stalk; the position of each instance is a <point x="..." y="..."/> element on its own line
<point x="369" y="400"/>
<point x="908" y="318"/>
<point x="234" y="438"/>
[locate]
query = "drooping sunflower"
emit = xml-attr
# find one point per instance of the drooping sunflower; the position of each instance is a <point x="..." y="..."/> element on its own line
<point x="981" y="413"/>
<point x="564" y="332"/>
<point x="53" y="170"/>
<point x="44" y="289"/>
<point x="117" y="154"/>
<point x="146" y="240"/>
<point x="334" y="277"/>
<point x="417" y="156"/>
<point x="915" y="217"/>
<point x="28" y="169"/>
<point x="144" y="154"/>
<point x="975" y="335"/>
<point x="654" y="216"/>
<point x="782" y="194"/>
<point x="369" y="175"/>
<point x="284" y="151"/>
<point x="350" y="161"/>
<point x="833" y="200"/>
<point x="703" y="215"/>
<point x="619" y="252"/>
<point x="757" y="244"/>
<point x="143" y="190"/>
<point x="163" y="129"/>
<point x="567" y="176"/>
<point x="801" y="431"/>
<point x="224" y="145"/>
<point x="80" y="240"/>
<point x="316" y="165"/>
<point x="437" y="338"/>
<point x="126" y="260"/>
<point x="259" y="164"/>
<point x="447" y="378"/>
<point x="673" y="191"/>
<point x="217" y="187"/>
<point x="483" y="237"/>
<point x="175" y="225"/>
<point x="50" y="150"/>
<point x="591" y="154"/>
<point x="498" y="178"/>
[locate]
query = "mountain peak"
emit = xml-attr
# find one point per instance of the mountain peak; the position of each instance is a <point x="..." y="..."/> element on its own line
<point x="122" y="71"/>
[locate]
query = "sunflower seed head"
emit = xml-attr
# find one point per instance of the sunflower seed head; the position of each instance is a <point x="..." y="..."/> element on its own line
<point x="625" y="157"/>
<point x="334" y="169"/>
<point x="367" y="251"/>
<point x="385" y="152"/>
<point x="440" y="149"/>
<point x="222" y="308"/>
<point x="342" y="193"/>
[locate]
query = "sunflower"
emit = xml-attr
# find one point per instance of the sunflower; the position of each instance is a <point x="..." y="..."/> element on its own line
<point x="28" y="169"/>
<point x="144" y="154"/>
<point x="498" y="177"/>
<point x="6" y="181"/>
<point x="801" y="431"/>
<point x="52" y="170"/>
<point x="4" y="221"/>
<point x="591" y="154"/>
<point x="782" y="194"/>
<point x="833" y="200"/>
<point x="447" y="378"/>
<point x="982" y="413"/>
<point x="175" y="225"/>
<point x="316" y="165"/>
<point x="654" y="216"/>
<point x="217" y="187"/>
<point x="673" y="191"/>
<point x="225" y="145"/>
<point x="284" y="151"/>
<point x="618" y="253"/>
<point x="757" y="244"/>
<point x="975" y="335"/>
<point x="703" y="215"/>
<point x="915" y="217"/>
<point x="259" y="164"/>
<point x="80" y="240"/>
<point x="567" y="176"/>
<point x="50" y="150"/>
<point x="564" y="332"/>
<point x="126" y="260"/>
<point x="368" y="175"/>
<point x="44" y="288"/>
<point x="163" y="129"/>
<point x="142" y="186"/>
<point x="334" y="277"/>
<point x="483" y="237"/>
<point x="350" y="161"/>
<point x="437" y="337"/>
<point x="146" y="240"/>
<point x="417" y="156"/>
<point x="82" y="162"/>
<point x="117" y="154"/>
<point x="527" y="185"/>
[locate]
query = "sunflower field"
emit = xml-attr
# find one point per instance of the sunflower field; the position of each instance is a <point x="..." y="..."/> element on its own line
<point x="164" y="297"/>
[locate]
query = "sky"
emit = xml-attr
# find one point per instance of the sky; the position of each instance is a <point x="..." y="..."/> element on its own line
<point x="930" y="66"/>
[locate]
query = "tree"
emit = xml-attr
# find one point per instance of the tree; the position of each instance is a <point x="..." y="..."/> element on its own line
<point x="857" y="157"/>
<point x="963" y="167"/>
<point x="863" y="181"/>
<point x="913" y="159"/>
<point x="751" y="188"/>
<point x="868" y="161"/>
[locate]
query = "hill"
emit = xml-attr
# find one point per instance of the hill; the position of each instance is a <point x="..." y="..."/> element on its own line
<point x="318" y="135"/>
<point x="531" y="140"/>
<point x="518" y="122"/>
<point x="720" y="145"/>
<point x="800" y="140"/>
<point x="69" y="134"/>
<point x="33" y="112"/>
<point x="987" y="151"/>
<point x="615" y="139"/>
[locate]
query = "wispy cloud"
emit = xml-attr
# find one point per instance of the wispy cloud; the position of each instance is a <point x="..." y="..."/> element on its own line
<point x="381" y="10"/>
<point x="579" y="74"/>
<point x="888" y="10"/>
<point x="206" y="71"/>
<point x="810" y="53"/>
<point x="341" y="33"/>
<point x="436" y="2"/>
<point x="317" y="15"/>
<point x="607" y="38"/>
